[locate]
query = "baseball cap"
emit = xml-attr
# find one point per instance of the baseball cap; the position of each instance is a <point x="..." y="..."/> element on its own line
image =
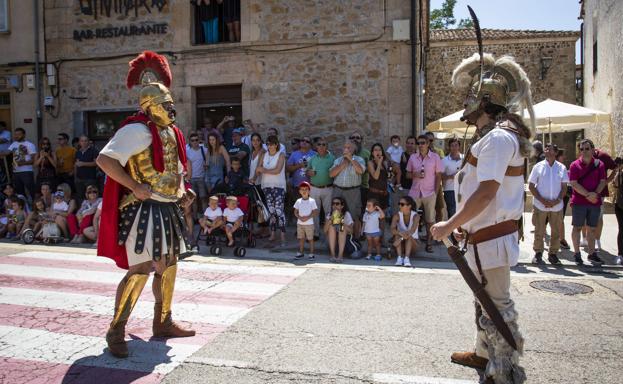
<point x="239" y="131"/>
<point x="304" y="184"/>
<point x="59" y="194"/>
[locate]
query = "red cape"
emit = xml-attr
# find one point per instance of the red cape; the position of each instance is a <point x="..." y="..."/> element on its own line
<point x="108" y="244"/>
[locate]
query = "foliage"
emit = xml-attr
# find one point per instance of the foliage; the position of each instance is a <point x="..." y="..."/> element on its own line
<point x="443" y="18"/>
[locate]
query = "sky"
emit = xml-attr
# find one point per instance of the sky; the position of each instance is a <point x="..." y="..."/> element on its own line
<point x="521" y="14"/>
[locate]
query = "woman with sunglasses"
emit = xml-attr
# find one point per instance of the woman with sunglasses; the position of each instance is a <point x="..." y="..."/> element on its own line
<point x="338" y="224"/>
<point x="84" y="217"/>
<point x="45" y="162"/>
<point x="404" y="228"/>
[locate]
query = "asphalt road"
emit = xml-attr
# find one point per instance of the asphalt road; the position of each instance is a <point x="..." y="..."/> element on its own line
<point x="345" y="325"/>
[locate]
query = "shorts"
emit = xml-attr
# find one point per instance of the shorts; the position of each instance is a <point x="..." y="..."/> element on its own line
<point x="198" y="185"/>
<point x="305" y="232"/>
<point x="428" y="203"/>
<point x="212" y="180"/>
<point x="374" y="234"/>
<point x="585" y="215"/>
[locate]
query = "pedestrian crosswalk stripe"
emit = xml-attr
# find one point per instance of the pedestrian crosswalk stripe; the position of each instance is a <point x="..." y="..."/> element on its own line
<point x="35" y="344"/>
<point x="239" y="287"/>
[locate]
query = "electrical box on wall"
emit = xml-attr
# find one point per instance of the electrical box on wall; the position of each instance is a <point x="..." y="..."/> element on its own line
<point x="48" y="101"/>
<point x="30" y="80"/>
<point x="401" y="30"/>
<point x="51" y="72"/>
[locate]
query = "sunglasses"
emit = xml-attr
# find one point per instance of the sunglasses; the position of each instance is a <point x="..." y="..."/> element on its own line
<point x="321" y="144"/>
<point x="89" y="192"/>
<point x="403" y="204"/>
<point x="306" y="141"/>
<point x="355" y="137"/>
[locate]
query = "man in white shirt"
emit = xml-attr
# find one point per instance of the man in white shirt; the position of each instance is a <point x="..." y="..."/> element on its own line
<point x="451" y="165"/>
<point x="23" y="158"/>
<point x="548" y="184"/>
<point x="489" y="192"/>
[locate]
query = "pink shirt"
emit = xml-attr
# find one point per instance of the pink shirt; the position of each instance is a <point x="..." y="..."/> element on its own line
<point x="431" y="164"/>
<point x="593" y="177"/>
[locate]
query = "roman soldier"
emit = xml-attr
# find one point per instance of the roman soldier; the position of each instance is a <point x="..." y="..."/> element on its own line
<point x="142" y="224"/>
<point x="489" y="191"/>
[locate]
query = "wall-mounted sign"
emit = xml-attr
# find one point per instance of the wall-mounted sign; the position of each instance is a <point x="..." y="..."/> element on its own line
<point x="114" y="8"/>
<point x="120" y="9"/>
<point x="126" y="30"/>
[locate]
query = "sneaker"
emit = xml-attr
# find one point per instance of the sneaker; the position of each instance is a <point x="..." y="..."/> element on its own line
<point x="578" y="259"/>
<point x="538" y="258"/>
<point x="399" y="261"/>
<point x="597" y="245"/>
<point x="407" y="262"/>
<point x="593" y="258"/>
<point x="378" y="258"/>
<point x="299" y="256"/>
<point x="564" y="244"/>
<point x="553" y="259"/>
<point x="400" y="188"/>
<point x="311" y="256"/>
<point x="369" y="256"/>
<point x="618" y="260"/>
<point x="583" y="243"/>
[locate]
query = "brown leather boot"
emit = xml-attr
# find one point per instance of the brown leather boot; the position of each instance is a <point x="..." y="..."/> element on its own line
<point x="163" y="325"/>
<point x="469" y="359"/>
<point x="167" y="327"/>
<point x="115" y="337"/>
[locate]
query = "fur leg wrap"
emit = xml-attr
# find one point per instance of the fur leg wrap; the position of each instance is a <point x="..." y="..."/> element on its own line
<point x="503" y="366"/>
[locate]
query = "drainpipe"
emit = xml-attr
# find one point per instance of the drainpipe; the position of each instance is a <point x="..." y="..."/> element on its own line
<point x="37" y="71"/>
<point x="414" y="72"/>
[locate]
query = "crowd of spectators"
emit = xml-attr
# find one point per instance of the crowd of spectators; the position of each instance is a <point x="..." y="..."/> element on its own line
<point x="384" y="195"/>
<point x="49" y="185"/>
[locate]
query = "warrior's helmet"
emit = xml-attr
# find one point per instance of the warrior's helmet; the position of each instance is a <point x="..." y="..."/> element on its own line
<point x="151" y="71"/>
<point x="500" y="82"/>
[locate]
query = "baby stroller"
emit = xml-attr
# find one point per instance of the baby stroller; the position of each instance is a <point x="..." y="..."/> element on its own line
<point x="215" y="240"/>
<point x="49" y="233"/>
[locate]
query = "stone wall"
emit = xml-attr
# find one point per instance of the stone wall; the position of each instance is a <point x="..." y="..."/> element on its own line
<point x="306" y="67"/>
<point x="603" y="89"/>
<point x="558" y="84"/>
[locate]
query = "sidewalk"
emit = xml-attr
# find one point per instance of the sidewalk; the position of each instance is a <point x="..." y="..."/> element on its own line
<point x="264" y="251"/>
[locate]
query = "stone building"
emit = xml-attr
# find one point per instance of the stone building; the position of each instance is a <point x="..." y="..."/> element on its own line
<point x="603" y="65"/>
<point x="548" y="58"/>
<point x="18" y="91"/>
<point x="306" y="67"/>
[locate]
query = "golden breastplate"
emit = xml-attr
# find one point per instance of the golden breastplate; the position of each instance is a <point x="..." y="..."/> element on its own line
<point x="141" y="168"/>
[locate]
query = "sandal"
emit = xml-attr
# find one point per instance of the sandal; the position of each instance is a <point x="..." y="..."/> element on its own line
<point x="333" y="260"/>
<point x="429" y="248"/>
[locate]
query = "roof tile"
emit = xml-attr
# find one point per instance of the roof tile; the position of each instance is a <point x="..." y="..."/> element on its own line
<point x="497" y="34"/>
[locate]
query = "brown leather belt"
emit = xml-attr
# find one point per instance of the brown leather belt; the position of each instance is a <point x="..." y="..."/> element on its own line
<point x="322" y="186"/>
<point x="510" y="170"/>
<point x="493" y="232"/>
<point x="347" y="188"/>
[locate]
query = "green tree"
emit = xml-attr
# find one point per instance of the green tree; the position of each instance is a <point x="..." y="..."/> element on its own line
<point x="443" y="18"/>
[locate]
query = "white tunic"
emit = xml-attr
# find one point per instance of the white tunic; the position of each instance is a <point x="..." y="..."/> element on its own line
<point x="495" y="152"/>
<point x="127" y="142"/>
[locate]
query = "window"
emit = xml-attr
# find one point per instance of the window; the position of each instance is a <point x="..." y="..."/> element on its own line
<point x="214" y="103"/>
<point x="4" y="15"/>
<point x="101" y="125"/>
<point x="216" y="21"/>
